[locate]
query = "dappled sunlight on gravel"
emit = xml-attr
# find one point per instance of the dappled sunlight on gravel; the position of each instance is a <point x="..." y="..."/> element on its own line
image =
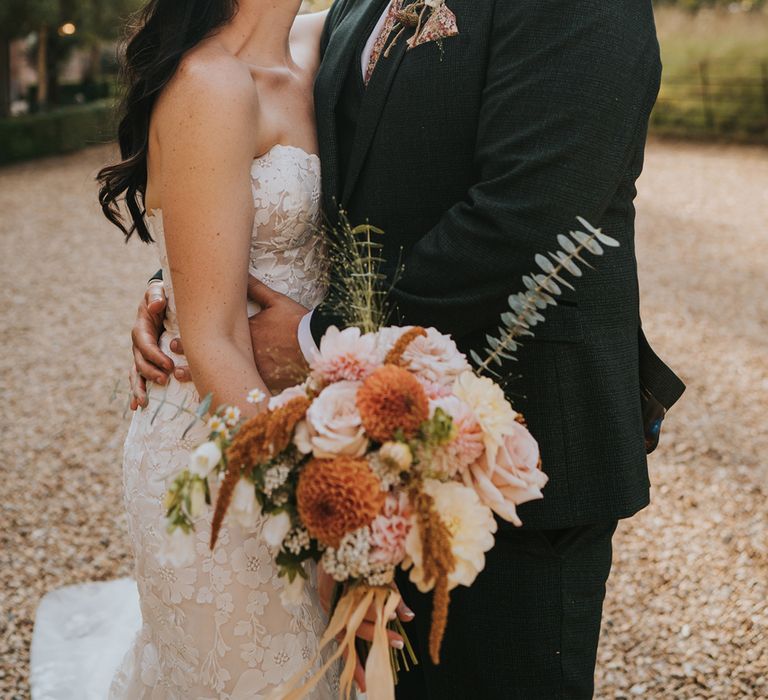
<point x="686" y="610"/>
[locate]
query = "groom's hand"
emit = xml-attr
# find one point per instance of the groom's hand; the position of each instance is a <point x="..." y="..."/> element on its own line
<point x="275" y="336"/>
<point x="149" y="362"/>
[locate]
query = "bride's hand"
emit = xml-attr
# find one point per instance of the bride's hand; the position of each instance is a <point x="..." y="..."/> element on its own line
<point x="325" y="588"/>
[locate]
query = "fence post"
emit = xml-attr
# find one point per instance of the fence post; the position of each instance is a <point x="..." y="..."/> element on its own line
<point x="705" y="96"/>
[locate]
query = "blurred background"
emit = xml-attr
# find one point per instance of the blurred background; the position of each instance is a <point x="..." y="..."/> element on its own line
<point x="686" y="612"/>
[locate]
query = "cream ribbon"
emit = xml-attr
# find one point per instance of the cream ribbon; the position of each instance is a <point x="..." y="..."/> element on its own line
<point x="348" y="616"/>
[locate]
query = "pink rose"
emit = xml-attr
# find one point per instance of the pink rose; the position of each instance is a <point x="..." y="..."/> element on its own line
<point x="515" y="479"/>
<point x="389" y="531"/>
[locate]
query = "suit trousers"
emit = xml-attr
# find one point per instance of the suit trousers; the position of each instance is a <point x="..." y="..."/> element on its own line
<point x="528" y="628"/>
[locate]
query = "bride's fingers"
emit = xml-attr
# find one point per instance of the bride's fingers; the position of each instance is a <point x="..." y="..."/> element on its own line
<point x="359" y="673"/>
<point x="360" y="676"/>
<point x="404" y="612"/>
<point x="365" y="631"/>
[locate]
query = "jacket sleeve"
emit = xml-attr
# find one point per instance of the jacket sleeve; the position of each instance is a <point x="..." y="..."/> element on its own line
<point x="568" y="88"/>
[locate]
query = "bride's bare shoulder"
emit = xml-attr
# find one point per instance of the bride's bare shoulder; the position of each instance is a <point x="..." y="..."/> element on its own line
<point x="208" y="81"/>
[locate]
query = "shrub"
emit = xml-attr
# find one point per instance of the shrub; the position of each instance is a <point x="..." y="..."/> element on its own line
<point x="59" y="131"/>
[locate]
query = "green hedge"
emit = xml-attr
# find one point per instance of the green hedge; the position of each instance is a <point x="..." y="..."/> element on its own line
<point x="59" y="131"/>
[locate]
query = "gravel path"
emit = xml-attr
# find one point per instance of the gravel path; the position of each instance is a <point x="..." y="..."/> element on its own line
<point x="686" y="612"/>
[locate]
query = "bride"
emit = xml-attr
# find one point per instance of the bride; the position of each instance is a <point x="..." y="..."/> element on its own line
<point x="218" y="142"/>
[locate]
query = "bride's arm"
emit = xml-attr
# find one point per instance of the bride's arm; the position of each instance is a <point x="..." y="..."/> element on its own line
<point x="205" y="127"/>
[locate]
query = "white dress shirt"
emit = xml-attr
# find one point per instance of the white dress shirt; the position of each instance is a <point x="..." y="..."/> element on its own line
<point x="306" y="341"/>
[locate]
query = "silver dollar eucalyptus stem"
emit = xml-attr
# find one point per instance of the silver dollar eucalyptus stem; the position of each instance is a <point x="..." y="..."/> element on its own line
<point x="542" y="288"/>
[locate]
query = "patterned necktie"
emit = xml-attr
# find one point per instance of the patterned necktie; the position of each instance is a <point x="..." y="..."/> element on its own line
<point x="381" y="40"/>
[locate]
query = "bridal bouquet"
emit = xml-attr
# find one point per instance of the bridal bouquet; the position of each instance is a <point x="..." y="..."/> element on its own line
<point x="393" y="453"/>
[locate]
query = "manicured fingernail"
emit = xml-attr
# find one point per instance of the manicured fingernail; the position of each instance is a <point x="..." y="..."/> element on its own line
<point x="160" y="379"/>
<point x="179" y="374"/>
<point x="396" y="643"/>
<point x="409" y="614"/>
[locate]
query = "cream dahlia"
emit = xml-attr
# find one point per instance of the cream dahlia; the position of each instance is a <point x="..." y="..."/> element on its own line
<point x="491" y="408"/>
<point x="471" y="526"/>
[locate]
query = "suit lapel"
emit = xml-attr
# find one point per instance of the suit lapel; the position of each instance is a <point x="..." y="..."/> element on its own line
<point x="370" y="112"/>
<point x="337" y="59"/>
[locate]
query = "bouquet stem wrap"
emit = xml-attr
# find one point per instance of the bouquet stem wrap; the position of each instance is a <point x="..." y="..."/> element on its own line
<point x="348" y="616"/>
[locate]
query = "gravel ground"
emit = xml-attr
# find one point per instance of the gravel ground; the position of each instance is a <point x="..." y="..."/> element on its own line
<point x="686" y="611"/>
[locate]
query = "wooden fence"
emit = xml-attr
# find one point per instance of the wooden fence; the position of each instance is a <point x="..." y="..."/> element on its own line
<point x="706" y="101"/>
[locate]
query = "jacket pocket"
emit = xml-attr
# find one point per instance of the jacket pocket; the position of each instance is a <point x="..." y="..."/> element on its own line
<point x="562" y="324"/>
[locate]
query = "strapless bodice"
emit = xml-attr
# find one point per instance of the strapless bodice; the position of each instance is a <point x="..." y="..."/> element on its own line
<point x="287" y="246"/>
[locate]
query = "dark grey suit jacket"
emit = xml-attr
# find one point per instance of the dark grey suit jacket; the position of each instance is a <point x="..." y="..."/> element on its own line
<point x="472" y="160"/>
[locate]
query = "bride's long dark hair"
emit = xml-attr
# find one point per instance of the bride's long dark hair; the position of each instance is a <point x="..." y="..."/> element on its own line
<point x="165" y="31"/>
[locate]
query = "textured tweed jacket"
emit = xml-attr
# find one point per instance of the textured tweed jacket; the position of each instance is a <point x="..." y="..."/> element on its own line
<point x="472" y="157"/>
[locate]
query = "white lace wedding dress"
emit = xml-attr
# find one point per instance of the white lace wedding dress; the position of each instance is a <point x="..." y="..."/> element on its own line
<point x="215" y="629"/>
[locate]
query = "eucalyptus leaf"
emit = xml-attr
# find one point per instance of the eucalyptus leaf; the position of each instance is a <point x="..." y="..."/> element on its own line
<point x="588" y="242"/>
<point x="567" y="262"/>
<point x="544" y="263"/>
<point x="548" y="284"/>
<point x="566" y="243"/>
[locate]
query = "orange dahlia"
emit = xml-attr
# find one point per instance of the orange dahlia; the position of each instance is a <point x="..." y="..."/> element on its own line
<point x="392" y="399"/>
<point x="338" y="496"/>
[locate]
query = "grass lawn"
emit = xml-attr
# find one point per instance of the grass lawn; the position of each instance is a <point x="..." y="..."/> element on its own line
<point x="715" y="75"/>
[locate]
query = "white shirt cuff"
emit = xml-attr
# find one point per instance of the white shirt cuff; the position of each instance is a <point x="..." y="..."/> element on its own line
<point x="306" y="341"/>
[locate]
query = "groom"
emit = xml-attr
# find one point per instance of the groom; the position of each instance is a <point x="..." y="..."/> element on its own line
<point x="472" y="152"/>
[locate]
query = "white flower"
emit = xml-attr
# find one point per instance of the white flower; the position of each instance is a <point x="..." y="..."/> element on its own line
<point x="276" y="528"/>
<point x="471" y="526"/>
<point x="292" y="591"/>
<point x="232" y="416"/>
<point x="344" y="355"/>
<point x="397" y="454"/>
<point x="435" y="358"/>
<point x="245" y="509"/>
<point x="333" y="425"/>
<point x="255" y="396"/>
<point x="204" y="459"/>
<point x="178" y="551"/>
<point x="196" y="498"/>
<point x="216" y="425"/>
<point x="491" y="408"/>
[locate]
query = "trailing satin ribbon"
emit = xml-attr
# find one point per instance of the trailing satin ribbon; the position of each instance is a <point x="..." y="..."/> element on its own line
<point x="348" y="616"/>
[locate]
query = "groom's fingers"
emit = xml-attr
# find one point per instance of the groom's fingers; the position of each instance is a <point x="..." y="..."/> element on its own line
<point x="259" y="293"/>
<point x="138" y="389"/>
